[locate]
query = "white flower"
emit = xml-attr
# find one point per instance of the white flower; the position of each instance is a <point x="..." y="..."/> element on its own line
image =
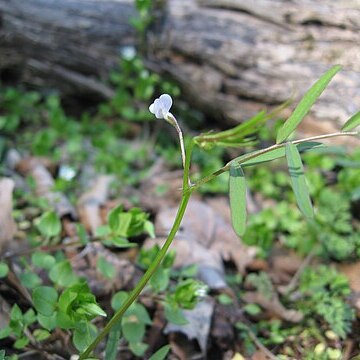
<point x="161" y="106"/>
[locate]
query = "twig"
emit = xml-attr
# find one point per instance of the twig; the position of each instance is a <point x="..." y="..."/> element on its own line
<point x="261" y="347"/>
<point x="293" y="282"/>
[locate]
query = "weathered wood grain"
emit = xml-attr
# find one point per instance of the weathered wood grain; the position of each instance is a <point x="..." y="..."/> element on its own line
<point x="68" y="44"/>
<point x="232" y="57"/>
<point x="235" y="57"/>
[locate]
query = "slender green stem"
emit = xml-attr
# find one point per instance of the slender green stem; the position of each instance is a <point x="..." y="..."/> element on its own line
<point x="144" y="280"/>
<point x="188" y="188"/>
<point x="187" y="191"/>
<point x="255" y="154"/>
<point x="186" y="177"/>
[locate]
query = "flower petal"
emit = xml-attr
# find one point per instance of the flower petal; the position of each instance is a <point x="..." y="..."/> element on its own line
<point x="158" y="109"/>
<point x="152" y="108"/>
<point x="166" y="102"/>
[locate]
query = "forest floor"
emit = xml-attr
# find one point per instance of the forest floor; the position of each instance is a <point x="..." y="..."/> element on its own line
<point x="94" y="197"/>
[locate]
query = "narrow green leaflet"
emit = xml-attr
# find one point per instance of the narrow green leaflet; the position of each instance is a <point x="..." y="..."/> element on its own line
<point x="305" y="104"/>
<point x="275" y="154"/>
<point x="352" y="123"/>
<point x="298" y="180"/>
<point x="237" y="193"/>
<point x="161" y="353"/>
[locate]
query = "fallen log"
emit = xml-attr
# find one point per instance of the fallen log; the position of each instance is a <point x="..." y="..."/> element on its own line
<point x="231" y="57"/>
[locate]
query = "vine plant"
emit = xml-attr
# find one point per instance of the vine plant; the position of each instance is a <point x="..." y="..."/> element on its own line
<point x="238" y="136"/>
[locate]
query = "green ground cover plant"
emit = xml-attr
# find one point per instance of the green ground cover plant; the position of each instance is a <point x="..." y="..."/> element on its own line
<point x="64" y="302"/>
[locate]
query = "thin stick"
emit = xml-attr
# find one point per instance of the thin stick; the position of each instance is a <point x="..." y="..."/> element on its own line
<point x="260" y="346"/>
<point x="293" y="282"/>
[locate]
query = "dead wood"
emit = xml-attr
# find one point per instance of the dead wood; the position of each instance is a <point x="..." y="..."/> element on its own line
<point x="232" y="57"/>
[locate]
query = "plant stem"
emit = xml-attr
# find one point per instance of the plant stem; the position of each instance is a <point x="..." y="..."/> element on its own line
<point x="144" y="280"/>
<point x="188" y="188"/>
<point x="266" y="150"/>
<point x="187" y="191"/>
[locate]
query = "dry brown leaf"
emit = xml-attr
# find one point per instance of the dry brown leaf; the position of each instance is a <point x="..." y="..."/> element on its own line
<point x="85" y="266"/>
<point x="162" y="190"/>
<point x="205" y="239"/>
<point x="7" y="223"/>
<point x="351" y="271"/>
<point x="91" y="201"/>
<point x="259" y="355"/>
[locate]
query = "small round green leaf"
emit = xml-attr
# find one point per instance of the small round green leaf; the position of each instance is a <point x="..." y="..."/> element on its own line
<point x="4" y="269"/>
<point x="43" y="260"/>
<point x="133" y="329"/>
<point x="84" y="334"/>
<point x="45" y="298"/>
<point x="49" y="224"/>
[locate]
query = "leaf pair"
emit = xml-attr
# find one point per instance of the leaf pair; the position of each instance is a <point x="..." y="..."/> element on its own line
<point x="237" y="185"/>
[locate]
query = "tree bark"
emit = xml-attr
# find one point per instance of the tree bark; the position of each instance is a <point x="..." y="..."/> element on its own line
<point x="232" y="57"/>
<point x="69" y="44"/>
<point x="235" y="57"/>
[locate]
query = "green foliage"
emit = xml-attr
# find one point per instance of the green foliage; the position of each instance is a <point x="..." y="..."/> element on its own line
<point x="161" y="353"/>
<point x="64" y="301"/>
<point x="187" y="293"/>
<point x="133" y="80"/>
<point x="76" y="307"/>
<point x="144" y="17"/>
<point x="296" y="171"/>
<point x="17" y="108"/>
<point x="49" y="224"/>
<point x="264" y="227"/>
<point x="133" y="323"/>
<point x="43" y="260"/>
<point x="30" y="279"/>
<point x="352" y="123"/>
<point x="208" y="162"/>
<point x="237" y="194"/>
<point x="45" y="300"/>
<point x="83" y="335"/>
<point x="62" y="274"/>
<point x="18" y="326"/>
<point x="324" y="292"/>
<point x="332" y="229"/>
<point x="4" y="269"/>
<point x="4" y="357"/>
<point x="123" y="225"/>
